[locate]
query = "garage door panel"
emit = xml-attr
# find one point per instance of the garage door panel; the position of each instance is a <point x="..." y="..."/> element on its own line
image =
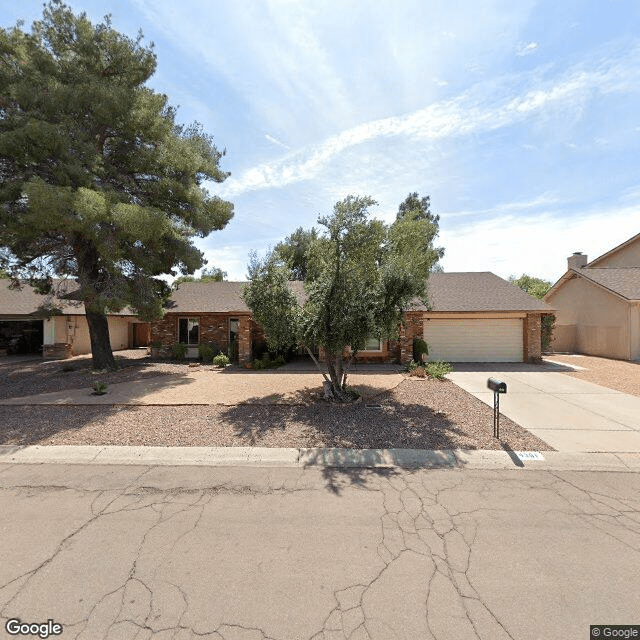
<point x="469" y="340"/>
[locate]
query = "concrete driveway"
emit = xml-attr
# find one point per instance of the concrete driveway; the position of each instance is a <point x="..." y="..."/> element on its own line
<point x="567" y="413"/>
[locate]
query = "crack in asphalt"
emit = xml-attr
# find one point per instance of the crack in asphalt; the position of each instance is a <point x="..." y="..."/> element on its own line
<point x="416" y="526"/>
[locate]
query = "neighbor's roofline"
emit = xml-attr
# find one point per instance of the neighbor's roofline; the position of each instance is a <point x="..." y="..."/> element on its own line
<point x="573" y="272"/>
<point x="612" y="251"/>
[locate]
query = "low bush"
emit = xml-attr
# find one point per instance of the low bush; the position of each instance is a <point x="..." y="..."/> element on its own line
<point x="179" y="350"/>
<point x="418" y="372"/>
<point x="99" y="388"/>
<point x="66" y="368"/>
<point x="258" y="349"/>
<point x="411" y="366"/>
<point x="221" y="360"/>
<point x="208" y="350"/>
<point x="266" y="362"/>
<point x="438" y="369"/>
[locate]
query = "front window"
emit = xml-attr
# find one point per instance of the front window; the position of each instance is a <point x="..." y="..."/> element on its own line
<point x="188" y="330"/>
<point x="372" y="344"/>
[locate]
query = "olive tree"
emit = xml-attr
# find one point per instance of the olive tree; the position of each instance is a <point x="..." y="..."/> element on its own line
<point x="362" y="276"/>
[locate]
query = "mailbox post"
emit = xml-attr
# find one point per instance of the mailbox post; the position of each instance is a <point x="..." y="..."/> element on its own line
<point x="498" y="387"/>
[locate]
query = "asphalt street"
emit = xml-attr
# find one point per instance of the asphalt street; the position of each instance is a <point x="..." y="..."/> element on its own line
<point x="233" y="553"/>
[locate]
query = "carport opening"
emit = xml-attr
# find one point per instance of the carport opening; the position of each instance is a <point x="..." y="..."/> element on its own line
<point x="21" y="337"/>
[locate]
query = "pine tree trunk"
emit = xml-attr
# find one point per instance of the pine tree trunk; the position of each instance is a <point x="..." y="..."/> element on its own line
<point x="100" y="341"/>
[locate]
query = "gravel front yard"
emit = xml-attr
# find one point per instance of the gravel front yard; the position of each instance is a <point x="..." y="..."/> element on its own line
<point x="44" y="376"/>
<point x="620" y="375"/>
<point x="420" y="414"/>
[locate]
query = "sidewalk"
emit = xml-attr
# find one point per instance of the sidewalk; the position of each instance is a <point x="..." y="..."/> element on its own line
<point x="302" y="458"/>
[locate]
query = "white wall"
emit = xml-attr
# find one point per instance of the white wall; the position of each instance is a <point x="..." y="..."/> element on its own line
<point x="75" y="330"/>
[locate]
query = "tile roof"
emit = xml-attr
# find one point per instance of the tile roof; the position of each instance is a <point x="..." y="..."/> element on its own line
<point x="26" y="301"/>
<point x="469" y="291"/>
<point x="624" y="281"/>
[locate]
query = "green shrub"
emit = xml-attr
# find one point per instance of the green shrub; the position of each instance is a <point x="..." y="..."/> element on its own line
<point x="438" y="369"/>
<point x="155" y="344"/>
<point x="66" y="368"/>
<point x="221" y="360"/>
<point x="179" y="350"/>
<point x="353" y="392"/>
<point x="206" y="352"/>
<point x="411" y="366"/>
<point x="420" y="347"/>
<point x="99" y="388"/>
<point x="258" y="349"/>
<point x="548" y="323"/>
<point x="266" y="362"/>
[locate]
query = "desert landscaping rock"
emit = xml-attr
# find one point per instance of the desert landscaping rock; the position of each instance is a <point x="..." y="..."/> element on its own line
<point x="243" y="408"/>
<point x="620" y="375"/>
<point x="417" y="414"/>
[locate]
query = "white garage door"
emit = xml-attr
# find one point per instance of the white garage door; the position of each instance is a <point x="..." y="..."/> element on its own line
<point x="481" y="340"/>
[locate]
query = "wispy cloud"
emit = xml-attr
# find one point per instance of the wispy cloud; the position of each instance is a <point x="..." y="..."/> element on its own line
<point x="541" y="202"/>
<point x="469" y="113"/>
<point x="526" y="49"/>
<point x="277" y="142"/>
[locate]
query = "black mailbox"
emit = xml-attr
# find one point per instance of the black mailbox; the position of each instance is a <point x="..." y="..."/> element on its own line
<point x="496" y="385"/>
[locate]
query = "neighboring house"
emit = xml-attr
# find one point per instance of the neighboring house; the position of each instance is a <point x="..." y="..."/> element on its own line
<point x="472" y="317"/>
<point x="55" y="326"/>
<point x="598" y="304"/>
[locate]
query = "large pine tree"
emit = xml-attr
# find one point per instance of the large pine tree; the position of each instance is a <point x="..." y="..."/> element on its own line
<point x="97" y="180"/>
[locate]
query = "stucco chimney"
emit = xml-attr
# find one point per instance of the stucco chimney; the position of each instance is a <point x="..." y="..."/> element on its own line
<point x="577" y="260"/>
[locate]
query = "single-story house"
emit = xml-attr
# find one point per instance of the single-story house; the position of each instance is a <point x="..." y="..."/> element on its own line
<point x="471" y="317"/>
<point x="26" y="325"/>
<point x="598" y="304"/>
<point x="210" y="313"/>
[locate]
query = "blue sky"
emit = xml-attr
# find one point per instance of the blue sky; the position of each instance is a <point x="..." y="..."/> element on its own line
<point x="521" y="119"/>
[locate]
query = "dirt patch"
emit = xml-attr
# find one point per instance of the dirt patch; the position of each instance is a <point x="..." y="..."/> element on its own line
<point x="620" y="375"/>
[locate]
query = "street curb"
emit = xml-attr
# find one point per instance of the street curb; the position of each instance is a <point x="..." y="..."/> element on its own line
<point x="317" y="457"/>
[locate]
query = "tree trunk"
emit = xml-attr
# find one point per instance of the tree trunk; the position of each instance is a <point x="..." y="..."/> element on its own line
<point x="335" y="366"/>
<point x="100" y="341"/>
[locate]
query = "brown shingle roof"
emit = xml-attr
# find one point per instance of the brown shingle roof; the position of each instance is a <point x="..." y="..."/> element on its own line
<point x="478" y="291"/>
<point x="25" y="301"/>
<point x="469" y="291"/>
<point x="215" y="297"/>
<point x="624" y="281"/>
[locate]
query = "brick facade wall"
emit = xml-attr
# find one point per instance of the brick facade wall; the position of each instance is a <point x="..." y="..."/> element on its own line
<point x="414" y="329"/>
<point x="214" y="328"/>
<point x="532" y="337"/>
<point x="400" y="350"/>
